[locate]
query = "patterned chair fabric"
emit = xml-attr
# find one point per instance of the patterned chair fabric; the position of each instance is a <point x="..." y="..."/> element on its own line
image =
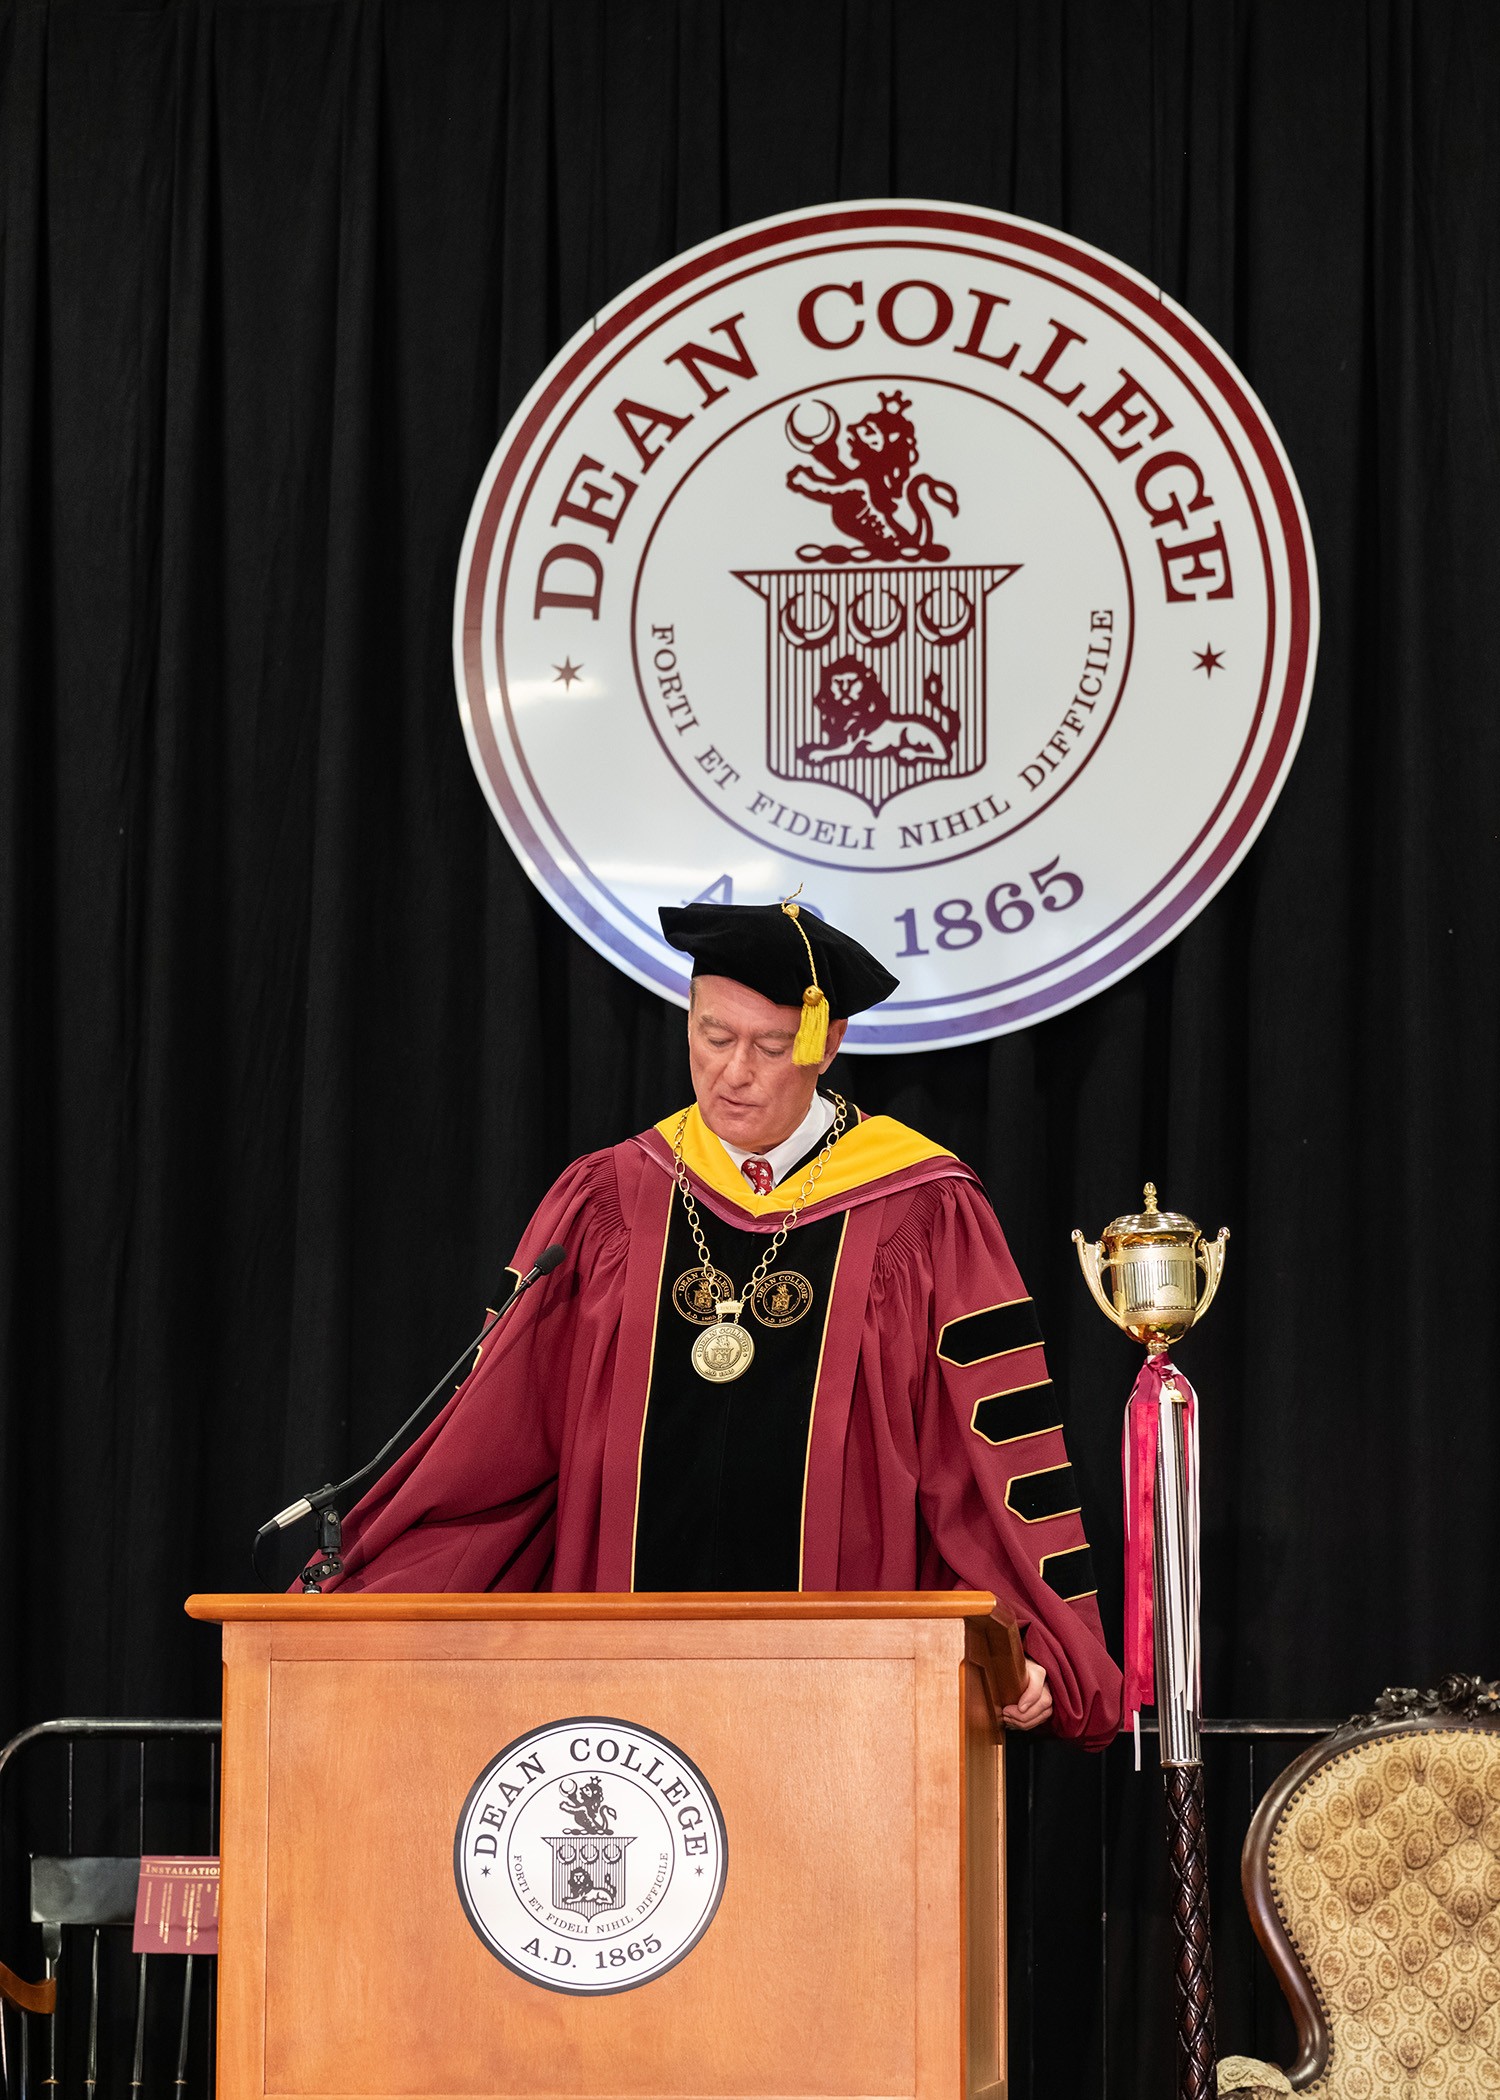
<point x="1372" y="1872"/>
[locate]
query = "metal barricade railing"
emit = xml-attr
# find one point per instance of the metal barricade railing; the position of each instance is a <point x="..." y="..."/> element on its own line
<point x="81" y="1801"/>
<point x="1090" y="1970"/>
<point x="1090" y="1950"/>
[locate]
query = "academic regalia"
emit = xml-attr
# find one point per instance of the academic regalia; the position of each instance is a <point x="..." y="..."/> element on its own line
<point x="901" y="1434"/>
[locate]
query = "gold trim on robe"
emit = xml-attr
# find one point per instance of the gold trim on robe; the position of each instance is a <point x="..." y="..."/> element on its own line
<point x="868" y="1152"/>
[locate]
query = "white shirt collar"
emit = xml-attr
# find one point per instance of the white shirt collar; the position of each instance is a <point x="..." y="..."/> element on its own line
<point x="784" y="1157"/>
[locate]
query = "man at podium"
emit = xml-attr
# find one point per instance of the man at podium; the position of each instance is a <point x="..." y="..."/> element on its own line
<point x="788" y="1349"/>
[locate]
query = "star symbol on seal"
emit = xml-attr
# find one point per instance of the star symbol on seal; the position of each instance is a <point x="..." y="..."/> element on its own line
<point x="484" y="1871"/>
<point x="1208" y="660"/>
<point x="567" y="671"/>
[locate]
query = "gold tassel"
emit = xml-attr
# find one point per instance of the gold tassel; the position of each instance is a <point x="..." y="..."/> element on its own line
<point x="811" y="1046"/>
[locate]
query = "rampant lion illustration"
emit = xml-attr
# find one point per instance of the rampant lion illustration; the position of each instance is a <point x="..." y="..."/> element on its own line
<point x="859" y="721"/>
<point x="863" y="475"/>
<point x="587" y="1806"/>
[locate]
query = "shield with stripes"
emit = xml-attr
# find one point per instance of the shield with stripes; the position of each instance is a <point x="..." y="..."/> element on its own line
<point x="876" y="677"/>
<point x="588" y="1872"/>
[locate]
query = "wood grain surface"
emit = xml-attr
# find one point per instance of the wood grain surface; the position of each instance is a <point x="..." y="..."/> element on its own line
<point x="857" y="1951"/>
<point x="798" y="1605"/>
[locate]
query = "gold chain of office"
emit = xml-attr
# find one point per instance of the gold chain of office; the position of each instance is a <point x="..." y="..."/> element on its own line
<point x="725" y="1350"/>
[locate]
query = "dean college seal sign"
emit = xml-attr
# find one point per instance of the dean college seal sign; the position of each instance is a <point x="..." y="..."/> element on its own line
<point x="915" y="554"/>
<point x="590" y="1855"/>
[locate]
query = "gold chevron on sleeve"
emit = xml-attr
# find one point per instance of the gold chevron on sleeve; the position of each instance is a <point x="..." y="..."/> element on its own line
<point x="1021" y="1411"/>
<point x="993" y="1330"/>
<point x="1070" y="1573"/>
<point x="1038" y="1497"/>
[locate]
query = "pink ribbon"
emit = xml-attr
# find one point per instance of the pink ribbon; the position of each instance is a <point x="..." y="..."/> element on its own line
<point x="1139" y="1447"/>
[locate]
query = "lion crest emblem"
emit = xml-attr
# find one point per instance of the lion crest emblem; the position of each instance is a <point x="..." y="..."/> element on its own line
<point x="858" y="719"/>
<point x="876" y="652"/>
<point x="864" y="477"/>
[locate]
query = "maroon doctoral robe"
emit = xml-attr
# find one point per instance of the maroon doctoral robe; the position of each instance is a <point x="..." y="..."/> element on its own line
<point x="907" y="1436"/>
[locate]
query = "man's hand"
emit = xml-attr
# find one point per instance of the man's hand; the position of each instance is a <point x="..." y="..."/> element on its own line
<point x="1034" y="1704"/>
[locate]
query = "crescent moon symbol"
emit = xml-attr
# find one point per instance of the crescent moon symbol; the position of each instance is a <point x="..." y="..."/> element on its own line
<point x="945" y="632"/>
<point x="820" y="617"/>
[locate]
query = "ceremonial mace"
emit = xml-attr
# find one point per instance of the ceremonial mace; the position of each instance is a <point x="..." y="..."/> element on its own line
<point x="1153" y="1262"/>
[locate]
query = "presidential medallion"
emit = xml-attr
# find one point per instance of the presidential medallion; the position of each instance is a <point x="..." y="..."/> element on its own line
<point x="723" y="1352"/>
<point x="697" y="1292"/>
<point x="782" y="1299"/>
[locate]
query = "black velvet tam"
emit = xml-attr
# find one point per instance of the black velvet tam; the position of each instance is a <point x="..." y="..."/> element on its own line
<point x="759" y="945"/>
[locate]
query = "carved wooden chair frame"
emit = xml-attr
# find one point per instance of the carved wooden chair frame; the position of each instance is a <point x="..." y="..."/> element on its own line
<point x="1457" y="1703"/>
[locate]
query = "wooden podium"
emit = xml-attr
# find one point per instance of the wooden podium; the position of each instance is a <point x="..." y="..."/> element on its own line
<point x="851" y="1741"/>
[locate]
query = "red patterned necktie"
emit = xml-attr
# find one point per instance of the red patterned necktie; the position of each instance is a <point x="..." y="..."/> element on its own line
<point x="758" y="1173"/>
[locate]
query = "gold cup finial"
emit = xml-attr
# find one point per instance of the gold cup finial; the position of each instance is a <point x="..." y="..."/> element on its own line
<point x="1153" y="1274"/>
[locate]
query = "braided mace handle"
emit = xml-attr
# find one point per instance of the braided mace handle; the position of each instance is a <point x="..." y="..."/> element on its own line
<point x="1187" y="1835"/>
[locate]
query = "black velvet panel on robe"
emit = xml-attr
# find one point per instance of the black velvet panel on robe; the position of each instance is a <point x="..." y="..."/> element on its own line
<point x="723" y="1466"/>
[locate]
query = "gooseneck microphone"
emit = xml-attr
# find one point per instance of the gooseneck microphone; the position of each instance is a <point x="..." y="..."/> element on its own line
<point x="326" y="1502"/>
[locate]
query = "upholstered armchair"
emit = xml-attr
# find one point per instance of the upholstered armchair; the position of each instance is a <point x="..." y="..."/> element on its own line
<point x="1372" y="1876"/>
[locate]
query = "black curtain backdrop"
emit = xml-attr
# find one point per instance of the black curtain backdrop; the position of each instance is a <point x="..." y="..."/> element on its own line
<point x="289" y="1046"/>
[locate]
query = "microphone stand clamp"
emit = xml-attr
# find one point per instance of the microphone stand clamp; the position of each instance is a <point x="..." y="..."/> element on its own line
<point x="330" y="1540"/>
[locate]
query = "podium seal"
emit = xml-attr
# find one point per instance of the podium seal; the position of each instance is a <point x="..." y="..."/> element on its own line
<point x="590" y="1855"/>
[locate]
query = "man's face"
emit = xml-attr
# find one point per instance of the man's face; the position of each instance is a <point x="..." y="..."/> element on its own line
<point x="740" y="1047"/>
